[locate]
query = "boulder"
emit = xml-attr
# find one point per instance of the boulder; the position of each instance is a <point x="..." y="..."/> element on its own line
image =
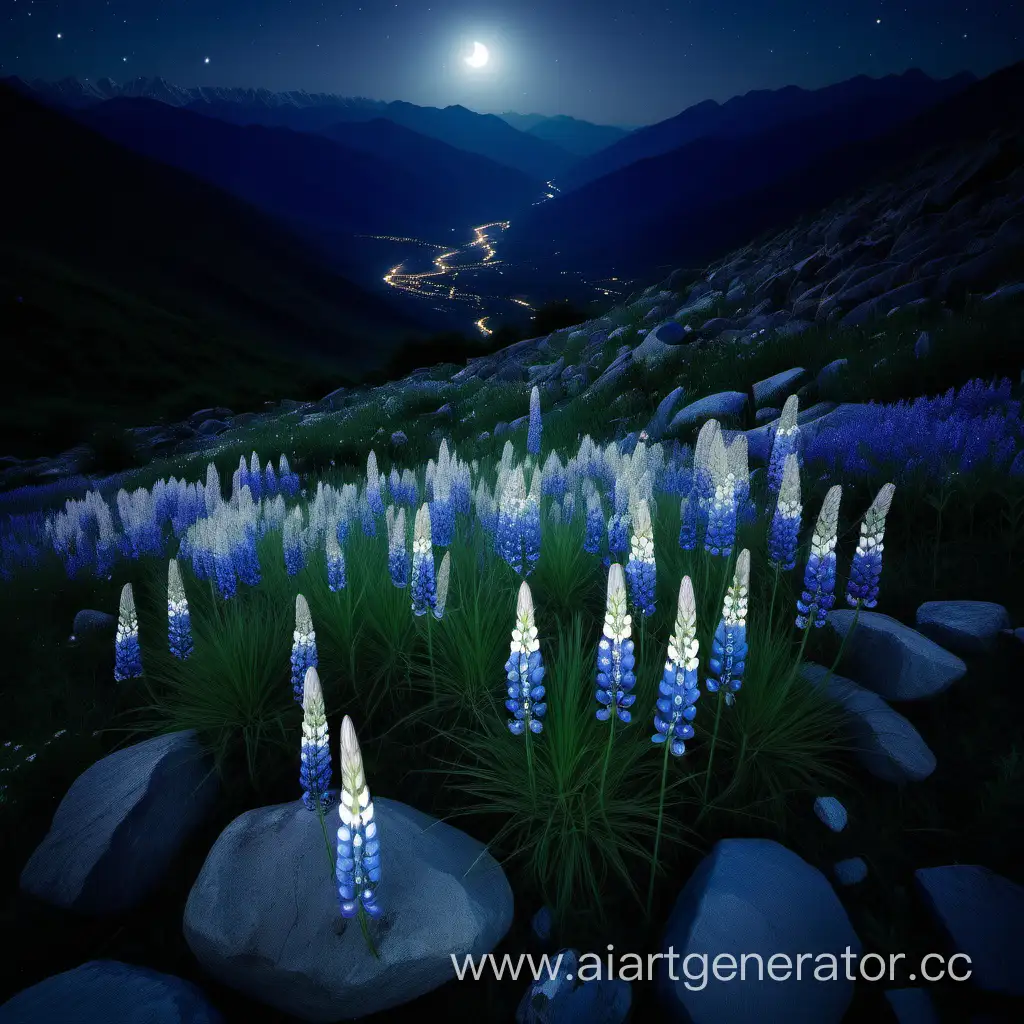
<point x="670" y="333"/>
<point x="263" y="916"/>
<point x="1005" y="293"/>
<point x="831" y="371"/>
<point x="851" y="871"/>
<point x="881" y="304"/>
<point x="565" y="999"/>
<point x="726" y="405"/>
<point x="983" y="914"/>
<point x="923" y="346"/>
<point x="216" y="413"/>
<point x="775" y="389"/>
<point x="663" y="415"/>
<point x="121" y="824"/>
<point x="110" y="992"/>
<point x="756" y="897"/>
<point x="90" y="621"/>
<point x="792" y="328"/>
<point x="399" y="438"/>
<point x="210" y="428"/>
<point x="912" y="1006"/>
<point x="893" y="660"/>
<point x="766" y="415"/>
<point x="966" y="627"/>
<point x="830" y="812"/>
<point x="883" y="741"/>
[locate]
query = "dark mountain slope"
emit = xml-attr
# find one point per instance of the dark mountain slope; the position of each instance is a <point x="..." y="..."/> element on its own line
<point x="757" y="112"/>
<point x="128" y="289"/>
<point x="715" y="193"/>
<point x="328" y="190"/>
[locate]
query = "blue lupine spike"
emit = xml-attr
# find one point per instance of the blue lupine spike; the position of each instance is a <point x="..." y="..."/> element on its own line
<point x="315" y="751"/>
<point x="688" y="520"/>
<point x="398" y="562"/>
<point x="721" y="526"/>
<point x="818" y="594"/>
<point x="785" y="442"/>
<point x="357" y="866"/>
<point x="615" y="660"/>
<point x="866" y="568"/>
<point x="784" y="532"/>
<point x="678" y="690"/>
<point x="304" y="652"/>
<point x="336" y="576"/>
<point x="127" y="651"/>
<point x="524" y="670"/>
<point x="179" y="622"/>
<point x="729" y="645"/>
<point x="641" y="570"/>
<point x="423" y="586"/>
<point x="594" y="531"/>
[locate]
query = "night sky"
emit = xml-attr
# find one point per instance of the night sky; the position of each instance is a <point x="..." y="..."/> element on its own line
<point x="623" y="62"/>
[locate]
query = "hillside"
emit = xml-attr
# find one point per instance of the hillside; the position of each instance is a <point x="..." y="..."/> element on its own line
<point x="581" y="138"/>
<point x="131" y="290"/>
<point x="702" y="199"/>
<point x="757" y="112"/>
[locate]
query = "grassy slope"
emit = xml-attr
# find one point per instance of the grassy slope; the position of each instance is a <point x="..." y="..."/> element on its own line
<point x="145" y="293"/>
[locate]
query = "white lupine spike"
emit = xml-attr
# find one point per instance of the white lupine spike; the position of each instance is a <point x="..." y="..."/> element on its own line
<point x="734" y="608"/>
<point x="789" y="492"/>
<point x="718" y="459"/>
<point x="535" y="486"/>
<point x="303" y="621"/>
<point x="175" y="588"/>
<point x="332" y="547"/>
<point x="823" y="540"/>
<point x="738" y="459"/>
<point x="683" y="645"/>
<point x="389" y="519"/>
<point x="254" y="465"/>
<point x="642" y="540"/>
<point x="514" y="491"/>
<point x="396" y="535"/>
<point x="372" y="472"/>
<point x="355" y="807"/>
<point x="443" y="574"/>
<point x="703" y="446"/>
<point x="314" y="718"/>
<point x="872" y="527"/>
<point x="524" y="636"/>
<point x="617" y="621"/>
<point x="421" y="535"/>
<point x="128" y="620"/>
<point x="790" y="410"/>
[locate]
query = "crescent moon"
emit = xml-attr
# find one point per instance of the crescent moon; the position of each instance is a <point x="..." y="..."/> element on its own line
<point x="479" y="57"/>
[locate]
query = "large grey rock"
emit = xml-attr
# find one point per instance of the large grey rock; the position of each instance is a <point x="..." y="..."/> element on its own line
<point x="754" y="896"/>
<point x="967" y="627"/>
<point x="121" y="824"/>
<point x="210" y="428"/>
<point x="110" y="992"/>
<point x="831" y="371"/>
<point x="263" y="916"/>
<point x="670" y="333"/>
<point x="774" y="390"/>
<point x="667" y="408"/>
<point x="723" y="406"/>
<point x="912" y="1006"/>
<point x="1005" y="293"/>
<point x="983" y="914"/>
<point x="565" y="999"/>
<point x="883" y="741"/>
<point x="892" y="659"/>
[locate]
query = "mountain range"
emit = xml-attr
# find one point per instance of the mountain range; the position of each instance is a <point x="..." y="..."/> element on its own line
<point x="484" y="134"/>
<point x="581" y="138"/>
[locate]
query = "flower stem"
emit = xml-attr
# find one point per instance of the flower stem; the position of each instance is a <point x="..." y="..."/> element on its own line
<point x="799" y="654"/>
<point x="364" y="928"/>
<point x="842" y="645"/>
<point x="771" y="606"/>
<point x="430" y="655"/>
<point x="657" y="833"/>
<point x="529" y="767"/>
<point x="323" y="828"/>
<point x="714" y="740"/>
<point x="608" y="749"/>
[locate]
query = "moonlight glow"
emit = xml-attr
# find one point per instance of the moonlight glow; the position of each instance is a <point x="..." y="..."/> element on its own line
<point x="479" y="57"/>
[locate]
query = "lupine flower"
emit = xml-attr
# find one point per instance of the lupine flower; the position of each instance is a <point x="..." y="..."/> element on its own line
<point x="784" y="532"/>
<point x="373" y="495"/>
<point x="820" y="574"/>
<point x="703" y="470"/>
<point x="288" y="482"/>
<point x="304" y="653"/>
<point x="223" y="562"/>
<point x="398" y="565"/>
<point x="641" y="569"/>
<point x="127" y="652"/>
<point x="529" y="523"/>
<point x="721" y="529"/>
<point x="357" y="869"/>
<point x="270" y="484"/>
<point x="291" y="539"/>
<point x="335" y="562"/>
<point x="786" y="440"/>
<point x="678" y="687"/>
<point x="866" y="570"/>
<point x="315" y="756"/>
<point x="179" y="623"/>
<point x="533" y="433"/>
<point x="255" y="478"/>
<point x="424" y="592"/>
<point x="688" y="520"/>
<point x="442" y="512"/>
<point x="443" y="575"/>
<point x="615" y="659"/>
<point x="524" y="670"/>
<point x="594" y="531"/>
<point x="618" y="521"/>
<point x="729" y="646"/>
